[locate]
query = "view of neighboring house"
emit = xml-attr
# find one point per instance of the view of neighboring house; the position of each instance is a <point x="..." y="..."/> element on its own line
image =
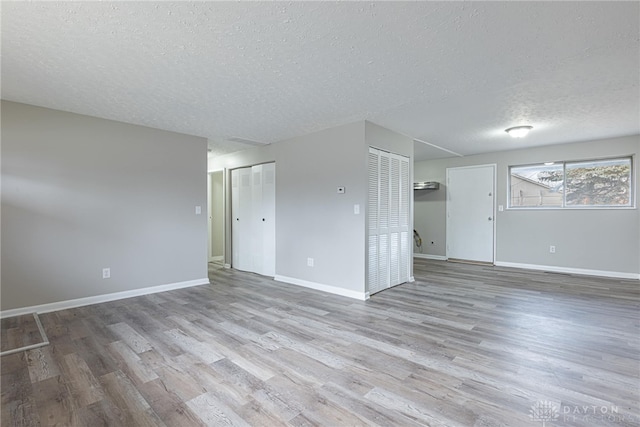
<point x="531" y="191"/>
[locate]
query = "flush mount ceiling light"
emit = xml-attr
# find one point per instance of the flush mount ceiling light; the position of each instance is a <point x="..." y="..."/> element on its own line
<point x="518" y="131"/>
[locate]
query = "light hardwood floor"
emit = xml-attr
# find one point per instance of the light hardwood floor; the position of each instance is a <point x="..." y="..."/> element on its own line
<point x="464" y="345"/>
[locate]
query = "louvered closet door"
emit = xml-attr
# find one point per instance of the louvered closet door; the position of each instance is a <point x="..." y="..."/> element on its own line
<point x="388" y="219"/>
<point x="404" y="228"/>
<point x="373" y="278"/>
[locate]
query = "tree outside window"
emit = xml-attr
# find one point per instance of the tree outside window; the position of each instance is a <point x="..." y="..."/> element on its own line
<point x="592" y="183"/>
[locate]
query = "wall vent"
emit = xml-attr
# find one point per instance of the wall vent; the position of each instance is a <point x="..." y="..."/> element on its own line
<point x="426" y="185"/>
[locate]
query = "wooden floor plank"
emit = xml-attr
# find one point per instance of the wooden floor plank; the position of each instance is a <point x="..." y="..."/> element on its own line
<point x="213" y="412"/>
<point x="19" y="405"/>
<point x="137" y="342"/>
<point x="41" y="364"/>
<point x="55" y="403"/>
<point x="134" y="409"/>
<point x="84" y="387"/>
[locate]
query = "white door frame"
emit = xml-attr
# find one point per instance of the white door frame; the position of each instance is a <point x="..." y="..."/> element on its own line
<point x="494" y="168"/>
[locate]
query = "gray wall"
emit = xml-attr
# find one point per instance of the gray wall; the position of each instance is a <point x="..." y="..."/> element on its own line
<point x="593" y="239"/>
<point x="81" y="193"/>
<point x="312" y="219"/>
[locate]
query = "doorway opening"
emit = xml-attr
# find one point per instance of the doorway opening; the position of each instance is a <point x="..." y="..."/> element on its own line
<point x="215" y="196"/>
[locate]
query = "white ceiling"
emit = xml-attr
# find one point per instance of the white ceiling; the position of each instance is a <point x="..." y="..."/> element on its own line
<point x="450" y="74"/>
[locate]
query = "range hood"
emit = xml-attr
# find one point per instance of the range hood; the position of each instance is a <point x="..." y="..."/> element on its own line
<point x="426" y="185"/>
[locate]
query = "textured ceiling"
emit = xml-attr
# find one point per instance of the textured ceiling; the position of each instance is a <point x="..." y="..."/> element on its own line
<point x="451" y="74"/>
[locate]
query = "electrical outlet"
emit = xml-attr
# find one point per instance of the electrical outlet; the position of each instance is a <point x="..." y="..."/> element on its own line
<point x="106" y="273"/>
<point x="309" y="262"/>
<point x="552" y="249"/>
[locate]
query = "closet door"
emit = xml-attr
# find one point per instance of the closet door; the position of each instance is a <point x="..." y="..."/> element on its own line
<point x="268" y="219"/>
<point x="388" y="218"/>
<point x="263" y="233"/>
<point x="406" y="189"/>
<point x="376" y="279"/>
<point x="257" y="240"/>
<point x="241" y="208"/>
<point x="253" y="210"/>
<point x="235" y="208"/>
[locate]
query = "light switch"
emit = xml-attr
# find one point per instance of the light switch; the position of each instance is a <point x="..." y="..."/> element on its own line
<point x="356" y="209"/>
<point x="198" y="210"/>
<point x="500" y="208"/>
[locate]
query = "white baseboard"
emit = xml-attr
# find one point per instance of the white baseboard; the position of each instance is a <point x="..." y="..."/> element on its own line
<point x="427" y="256"/>
<point x="79" y="302"/>
<point x="216" y="258"/>
<point x="568" y="270"/>
<point x="325" y="288"/>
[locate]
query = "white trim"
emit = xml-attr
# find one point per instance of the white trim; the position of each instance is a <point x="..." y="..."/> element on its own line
<point x="227" y="266"/>
<point x="79" y="302"/>
<point x="43" y="335"/>
<point x="434" y="146"/>
<point x="411" y="279"/>
<point x="325" y="288"/>
<point x="568" y="270"/>
<point x="216" y="258"/>
<point x="428" y="256"/>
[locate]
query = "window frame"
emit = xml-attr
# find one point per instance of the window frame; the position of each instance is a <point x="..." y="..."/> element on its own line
<point x="632" y="185"/>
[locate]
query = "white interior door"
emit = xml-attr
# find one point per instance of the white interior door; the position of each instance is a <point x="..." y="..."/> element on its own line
<point x="257" y="245"/>
<point x="263" y="239"/>
<point x="235" y="225"/>
<point x="210" y="217"/>
<point x="471" y="213"/>
<point x="253" y="212"/>
<point x="268" y="219"/>
<point x="241" y="230"/>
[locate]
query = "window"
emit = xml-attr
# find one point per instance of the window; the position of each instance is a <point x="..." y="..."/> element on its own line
<point x="536" y="186"/>
<point x="591" y="183"/>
